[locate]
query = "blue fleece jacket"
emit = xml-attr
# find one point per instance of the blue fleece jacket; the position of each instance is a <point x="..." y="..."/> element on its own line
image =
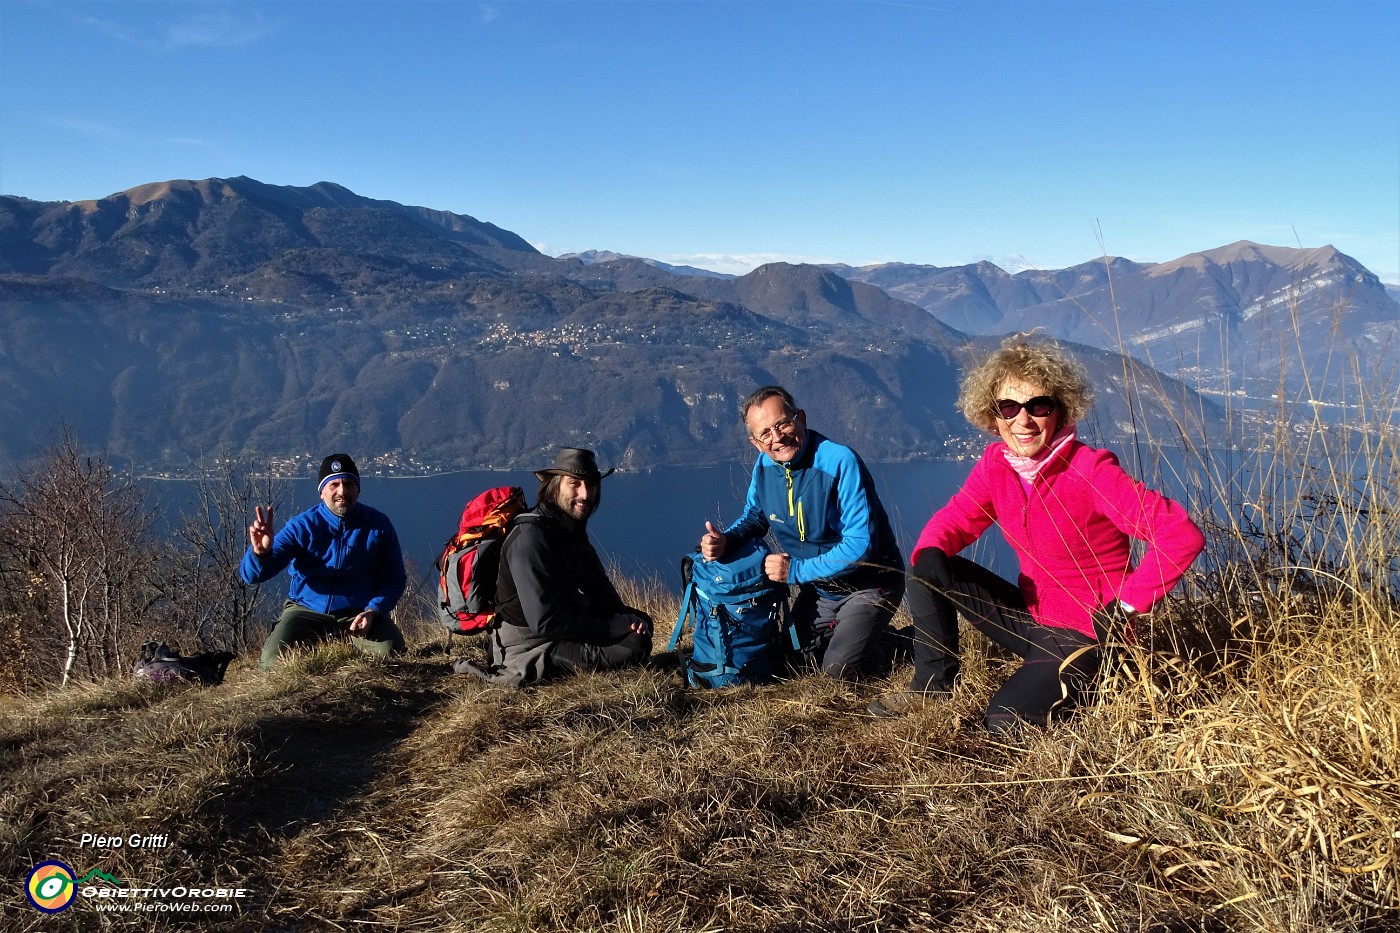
<point x="823" y="511"/>
<point x="337" y="565"/>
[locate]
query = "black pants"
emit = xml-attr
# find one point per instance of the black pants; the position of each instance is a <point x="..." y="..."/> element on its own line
<point x="1047" y="683"/>
<point x="575" y="657"/>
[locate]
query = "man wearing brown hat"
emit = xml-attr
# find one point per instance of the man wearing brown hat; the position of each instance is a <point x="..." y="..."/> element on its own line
<point x="556" y="610"/>
<point x="345" y="565"/>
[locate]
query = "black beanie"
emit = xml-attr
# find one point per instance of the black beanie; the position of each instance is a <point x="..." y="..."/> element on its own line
<point x="337" y="466"/>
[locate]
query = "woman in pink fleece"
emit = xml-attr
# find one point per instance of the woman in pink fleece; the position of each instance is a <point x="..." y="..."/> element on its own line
<point x="1068" y="511"/>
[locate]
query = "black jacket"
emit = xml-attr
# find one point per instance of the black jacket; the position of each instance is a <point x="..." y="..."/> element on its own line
<point x="551" y="580"/>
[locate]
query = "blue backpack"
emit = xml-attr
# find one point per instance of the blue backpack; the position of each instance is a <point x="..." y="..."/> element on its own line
<point x="737" y="616"/>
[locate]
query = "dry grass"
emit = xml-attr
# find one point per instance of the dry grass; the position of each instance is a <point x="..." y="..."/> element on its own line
<point x="349" y="794"/>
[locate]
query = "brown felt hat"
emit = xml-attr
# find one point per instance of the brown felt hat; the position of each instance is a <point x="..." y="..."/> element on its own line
<point x="574" y="461"/>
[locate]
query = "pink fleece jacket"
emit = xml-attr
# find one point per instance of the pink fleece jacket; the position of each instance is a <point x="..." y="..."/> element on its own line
<point x="1071" y="532"/>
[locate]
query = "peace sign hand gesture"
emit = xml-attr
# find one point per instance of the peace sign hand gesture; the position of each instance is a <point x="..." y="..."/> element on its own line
<point x="260" y="532"/>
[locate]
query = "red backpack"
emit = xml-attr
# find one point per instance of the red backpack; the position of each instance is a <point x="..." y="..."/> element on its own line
<point x="469" y="560"/>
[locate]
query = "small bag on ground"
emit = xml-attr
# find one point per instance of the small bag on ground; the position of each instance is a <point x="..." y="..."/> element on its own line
<point x="161" y="664"/>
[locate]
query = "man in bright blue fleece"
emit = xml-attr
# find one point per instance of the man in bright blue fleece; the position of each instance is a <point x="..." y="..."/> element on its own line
<point x="818" y="500"/>
<point x="346" y="568"/>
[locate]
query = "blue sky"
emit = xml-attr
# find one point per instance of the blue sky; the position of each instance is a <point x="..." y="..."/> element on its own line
<point x="726" y="134"/>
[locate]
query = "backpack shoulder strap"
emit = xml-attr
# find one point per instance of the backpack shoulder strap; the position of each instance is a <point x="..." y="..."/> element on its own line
<point x="524" y="518"/>
<point x="680" y="619"/>
<point x="786" y="622"/>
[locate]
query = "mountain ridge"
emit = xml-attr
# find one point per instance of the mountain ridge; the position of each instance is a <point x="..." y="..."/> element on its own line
<point x="226" y="316"/>
<point x="1242" y="318"/>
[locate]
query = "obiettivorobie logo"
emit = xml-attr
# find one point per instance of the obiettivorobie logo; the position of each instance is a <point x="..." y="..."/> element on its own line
<point x="51" y="886"/>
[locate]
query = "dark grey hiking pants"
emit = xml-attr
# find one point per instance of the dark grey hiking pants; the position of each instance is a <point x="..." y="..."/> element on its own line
<point x="575" y="657"/>
<point x="850" y="632"/>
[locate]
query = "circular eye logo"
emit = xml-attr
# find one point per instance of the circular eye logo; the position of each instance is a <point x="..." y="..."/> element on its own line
<point x="50" y="887"/>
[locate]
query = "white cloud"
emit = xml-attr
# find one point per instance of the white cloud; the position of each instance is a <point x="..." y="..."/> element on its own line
<point x="82" y="126"/>
<point x="1011" y="264"/>
<point x="203" y="29"/>
<point x="217" y="28"/>
<point x="114" y="29"/>
<point x="730" y="263"/>
<point x="735" y="263"/>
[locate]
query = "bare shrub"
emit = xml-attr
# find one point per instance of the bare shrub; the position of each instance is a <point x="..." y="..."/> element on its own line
<point x="207" y="599"/>
<point x="78" y="566"/>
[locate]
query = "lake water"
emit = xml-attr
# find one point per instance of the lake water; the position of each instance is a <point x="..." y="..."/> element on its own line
<point x="647" y="521"/>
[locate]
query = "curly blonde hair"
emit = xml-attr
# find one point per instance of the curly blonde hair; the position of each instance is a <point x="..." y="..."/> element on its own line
<point x="1041" y="361"/>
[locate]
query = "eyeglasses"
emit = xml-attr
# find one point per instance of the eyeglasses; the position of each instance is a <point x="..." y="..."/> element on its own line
<point x="769" y="435"/>
<point x="1037" y="407"/>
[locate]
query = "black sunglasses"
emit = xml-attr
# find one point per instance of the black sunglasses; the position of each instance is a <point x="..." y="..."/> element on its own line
<point x="1038" y="407"/>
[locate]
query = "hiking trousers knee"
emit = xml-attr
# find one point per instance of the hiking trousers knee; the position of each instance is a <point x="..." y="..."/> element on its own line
<point x="1059" y="665"/>
<point x="850" y="630"/>
<point x="575" y="657"/>
<point x="301" y="626"/>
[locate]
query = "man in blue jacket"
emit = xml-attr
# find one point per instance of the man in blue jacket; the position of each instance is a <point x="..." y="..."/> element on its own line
<point x="345" y="564"/>
<point x="818" y="500"/>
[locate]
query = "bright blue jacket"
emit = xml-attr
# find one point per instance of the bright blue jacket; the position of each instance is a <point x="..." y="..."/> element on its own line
<point x="337" y="565"/>
<point x="823" y="511"/>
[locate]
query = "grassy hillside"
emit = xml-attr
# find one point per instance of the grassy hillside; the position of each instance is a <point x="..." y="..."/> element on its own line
<point x="342" y="793"/>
